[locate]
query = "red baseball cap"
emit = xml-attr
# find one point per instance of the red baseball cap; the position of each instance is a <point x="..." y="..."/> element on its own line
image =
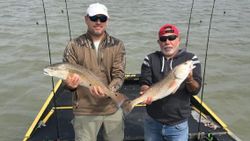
<point x="168" y="28"/>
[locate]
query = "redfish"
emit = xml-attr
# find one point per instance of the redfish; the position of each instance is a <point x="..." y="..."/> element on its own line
<point x="168" y="85"/>
<point x="87" y="78"/>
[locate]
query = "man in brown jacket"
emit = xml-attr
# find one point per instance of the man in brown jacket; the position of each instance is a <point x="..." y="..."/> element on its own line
<point x="104" y="55"/>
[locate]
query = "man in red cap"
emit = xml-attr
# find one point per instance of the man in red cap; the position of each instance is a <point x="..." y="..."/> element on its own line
<point x="168" y="117"/>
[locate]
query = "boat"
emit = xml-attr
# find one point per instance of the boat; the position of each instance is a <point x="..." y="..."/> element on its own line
<point x="53" y="121"/>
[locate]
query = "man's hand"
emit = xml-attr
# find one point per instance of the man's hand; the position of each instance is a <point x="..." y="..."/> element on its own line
<point x="190" y="77"/>
<point x="97" y="91"/>
<point x="191" y="83"/>
<point x="73" y="81"/>
<point x="143" y="89"/>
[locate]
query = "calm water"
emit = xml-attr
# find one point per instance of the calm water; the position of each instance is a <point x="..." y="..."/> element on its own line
<point x="24" y="53"/>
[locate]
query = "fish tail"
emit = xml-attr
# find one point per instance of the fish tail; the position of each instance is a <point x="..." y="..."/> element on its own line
<point x="127" y="107"/>
<point x="119" y="99"/>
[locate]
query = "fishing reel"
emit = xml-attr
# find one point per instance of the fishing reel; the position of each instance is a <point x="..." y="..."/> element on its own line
<point x="202" y="136"/>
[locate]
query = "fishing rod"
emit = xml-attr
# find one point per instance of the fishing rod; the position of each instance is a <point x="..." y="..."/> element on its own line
<point x="205" y="63"/>
<point x="66" y="6"/>
<point x="52" y="80"/>
<point x="50" y="62"/>
<point x="189" y="23"/>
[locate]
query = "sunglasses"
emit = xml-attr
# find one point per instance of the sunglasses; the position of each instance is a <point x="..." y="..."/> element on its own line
<point x="165" y="38"/>
<point x="95" y="18"/>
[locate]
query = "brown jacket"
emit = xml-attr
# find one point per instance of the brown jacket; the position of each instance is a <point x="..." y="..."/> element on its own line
<point x="108" y="65"/>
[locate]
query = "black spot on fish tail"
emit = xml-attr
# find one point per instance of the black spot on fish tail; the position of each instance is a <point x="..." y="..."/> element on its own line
<point x="127" y="107"/>
<point x="118" y="98"/>
<point x="121" y="99"/>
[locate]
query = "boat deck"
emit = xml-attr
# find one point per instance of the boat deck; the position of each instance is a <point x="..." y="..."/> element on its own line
<point x="51" y="127"/>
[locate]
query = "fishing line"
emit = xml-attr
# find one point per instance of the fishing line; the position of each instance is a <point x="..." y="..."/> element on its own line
<point x="205" y="63"/>
<point x="189" y="23"/>
<point x="50" y="62"/>
<point x="66" y="5"/>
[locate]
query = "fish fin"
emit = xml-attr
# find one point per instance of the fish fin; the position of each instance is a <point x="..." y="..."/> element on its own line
<point x="193" y="67"/>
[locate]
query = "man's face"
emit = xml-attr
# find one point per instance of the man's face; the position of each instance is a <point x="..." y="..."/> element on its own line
<point x="96" y="24"/>
<point x="169" y="44"/>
